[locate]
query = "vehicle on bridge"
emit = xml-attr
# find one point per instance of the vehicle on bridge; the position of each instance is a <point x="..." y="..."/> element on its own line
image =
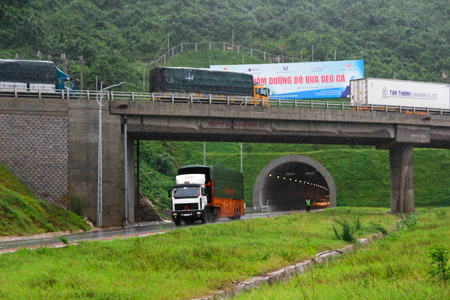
<point x="33" y="76"/>
<point x="374" y="94"/>
<point x="192" y="83"/>
<point x="207" y="193"/>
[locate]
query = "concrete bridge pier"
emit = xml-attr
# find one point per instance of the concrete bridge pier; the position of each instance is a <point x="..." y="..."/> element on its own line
<point x="129" y="168"/>
<point x="402" y="178"/>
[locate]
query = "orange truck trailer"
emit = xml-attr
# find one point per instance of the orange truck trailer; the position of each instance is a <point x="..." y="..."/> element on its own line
<point x="185" y="83"/>
<point x="207" y="193"/>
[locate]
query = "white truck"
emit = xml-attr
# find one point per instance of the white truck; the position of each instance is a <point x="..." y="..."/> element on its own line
<point x="207" y="193"/>
<point x="410" y="94"/>
<point x="189" y="198"/>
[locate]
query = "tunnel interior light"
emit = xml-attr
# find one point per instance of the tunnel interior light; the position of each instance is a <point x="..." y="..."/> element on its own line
<point x="270" y="175"/>
<point x="278" y="176"/>
<point x="284" y="177"/>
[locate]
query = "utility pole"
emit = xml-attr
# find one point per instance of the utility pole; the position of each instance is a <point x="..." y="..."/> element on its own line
<point x="242" y="167"/>
<point x="204" y="153"/>
<point x="81" y="60"/>
<point x="65" y="62"/>
<point x="232" y="40"/>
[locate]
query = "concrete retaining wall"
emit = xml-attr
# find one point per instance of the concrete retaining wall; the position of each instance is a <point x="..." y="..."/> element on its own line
<point x="34" y="145"/>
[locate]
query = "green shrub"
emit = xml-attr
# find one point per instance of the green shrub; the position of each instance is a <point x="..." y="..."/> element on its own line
<point x="63" y="240"/>
<point x="409" y="222"/>
<point x="439" y="266"/>
<point x="347" y="230"/>
<point x="78" y="204"/>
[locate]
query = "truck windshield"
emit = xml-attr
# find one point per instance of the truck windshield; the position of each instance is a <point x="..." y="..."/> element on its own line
<point x="186" y="192"/>
<point x="263" y="92"/>
<point x="68" y="84"/>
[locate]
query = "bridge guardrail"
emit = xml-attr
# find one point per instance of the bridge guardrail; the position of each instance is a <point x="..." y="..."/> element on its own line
<point x="223" y="100"/>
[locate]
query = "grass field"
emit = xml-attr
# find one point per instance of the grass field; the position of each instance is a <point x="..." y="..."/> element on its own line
<point x="394" y="268"/>
<point x="181" y="264"/>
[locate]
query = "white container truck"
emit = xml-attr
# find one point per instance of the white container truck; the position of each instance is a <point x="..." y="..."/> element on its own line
<point x="401" y="93"/>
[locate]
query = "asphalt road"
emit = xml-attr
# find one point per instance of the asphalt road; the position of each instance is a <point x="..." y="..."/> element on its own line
<point x="112" y="233"/>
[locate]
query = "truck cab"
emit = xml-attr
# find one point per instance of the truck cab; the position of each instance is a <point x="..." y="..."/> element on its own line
<point x="65" y="82"/>
<point x="189" y="199"/>
<point x="260" y="95"/>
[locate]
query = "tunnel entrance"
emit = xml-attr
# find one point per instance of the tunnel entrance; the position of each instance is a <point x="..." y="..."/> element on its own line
<point x="286" y="182"/>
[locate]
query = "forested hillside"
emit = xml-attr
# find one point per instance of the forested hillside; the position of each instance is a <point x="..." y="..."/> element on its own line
<point x="408" y="38"/>
<point x="117" y="37"/>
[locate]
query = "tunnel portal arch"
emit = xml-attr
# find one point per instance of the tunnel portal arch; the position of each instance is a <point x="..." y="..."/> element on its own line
<point x="287" y="181"/>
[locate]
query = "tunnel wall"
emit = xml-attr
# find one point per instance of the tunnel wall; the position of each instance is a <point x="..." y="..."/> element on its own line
<point x="263" y="175"/>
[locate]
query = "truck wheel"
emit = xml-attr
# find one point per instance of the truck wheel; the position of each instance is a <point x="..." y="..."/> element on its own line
<point x="213" y="215"/>
<point x="205" y="218"/>
<point x="177" y="223"/>
<point x="216" y="215"/>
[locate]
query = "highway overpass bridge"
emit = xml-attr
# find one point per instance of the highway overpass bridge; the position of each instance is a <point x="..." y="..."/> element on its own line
<point x="52" y="144"/>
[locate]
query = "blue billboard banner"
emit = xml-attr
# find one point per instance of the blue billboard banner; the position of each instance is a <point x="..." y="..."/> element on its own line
<point x="308" y="80"/>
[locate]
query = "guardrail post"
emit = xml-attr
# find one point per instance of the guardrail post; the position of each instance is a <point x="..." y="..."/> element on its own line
<point x="428" y="110"/>
<point x="327" y="104"/>
<point x="39" y="92"/>
<point x="15" y="93"/>
<point x="441" y="111"/>
<point x="414" y="109"/>
<point x="153" y="97"/>
<point x="62" y="94"/>
<point x="228" y="100"/>
<point x="311" y="104"/>
<point x="357" y="106"/>
<point x="386" y="108"/>
<point x="112" y="96"/>
<point x="400" y="109"/>
<point x="192" y="98"/>
<point x="245" y="101"/>
<point x="209" y="97"/>
<point x="342" y="105"/>
<point x="87" y="94"/>
<point x="279" y="102"/>
<point x="371" y="106"/>
<point x="295" y="102"/>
